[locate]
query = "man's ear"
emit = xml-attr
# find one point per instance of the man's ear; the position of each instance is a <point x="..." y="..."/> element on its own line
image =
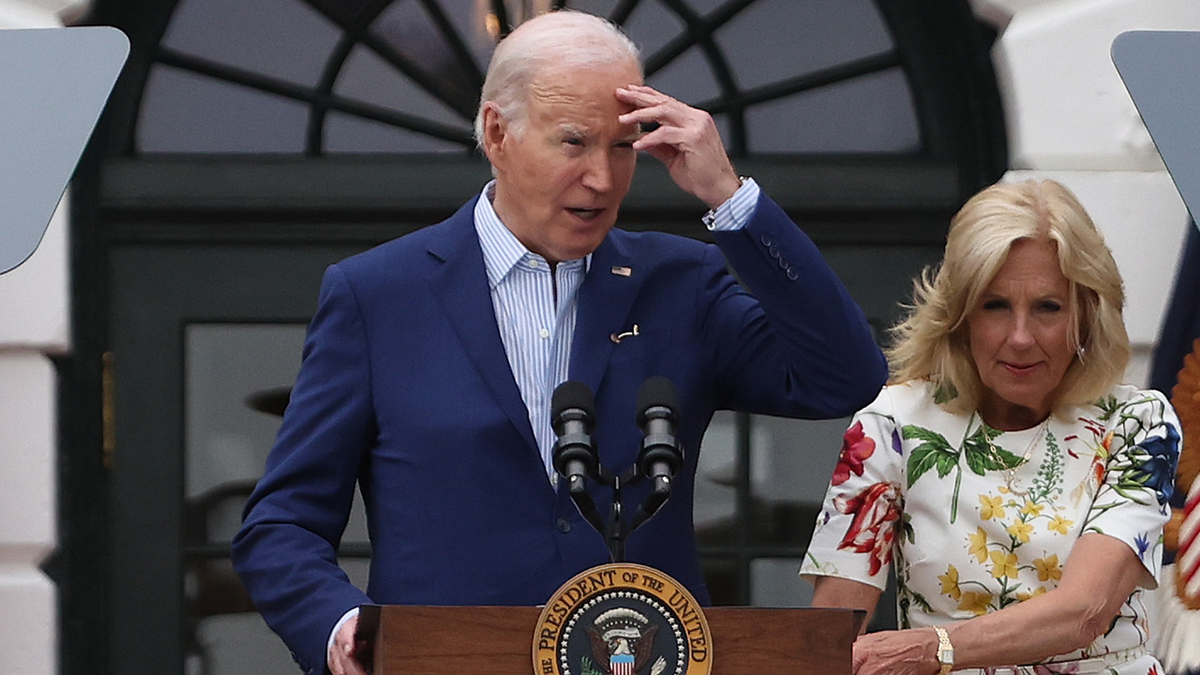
<point x="495" y="128"/>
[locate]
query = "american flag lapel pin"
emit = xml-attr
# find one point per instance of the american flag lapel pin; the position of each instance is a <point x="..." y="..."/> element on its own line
<point x="622" y="271"/>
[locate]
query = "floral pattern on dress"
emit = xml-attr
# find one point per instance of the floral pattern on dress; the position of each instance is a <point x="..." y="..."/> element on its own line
<point x="1018" y="515"/>
<point x="856" y="449"/>
<point x="971" y="519"/>
<point x="875" y="511"/>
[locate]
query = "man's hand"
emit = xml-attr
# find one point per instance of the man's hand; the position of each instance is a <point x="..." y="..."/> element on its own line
<point x="341" y="654"/>
<point x="686" y="141"/>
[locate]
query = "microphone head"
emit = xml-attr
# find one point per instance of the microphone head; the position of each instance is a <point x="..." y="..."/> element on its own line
<point x="657" y="392"/>
<point x="569" y="395"/>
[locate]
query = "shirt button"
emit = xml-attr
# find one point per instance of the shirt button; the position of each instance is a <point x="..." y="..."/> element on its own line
<point x="563" y="525"/>
<point x="542" y="332"/>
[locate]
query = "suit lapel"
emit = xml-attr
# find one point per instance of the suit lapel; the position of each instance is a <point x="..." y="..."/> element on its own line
<point x="459" y="281"/>
<point x="605" y="298"/>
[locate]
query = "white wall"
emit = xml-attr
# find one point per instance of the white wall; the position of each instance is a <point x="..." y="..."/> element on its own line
<point x="34" y="322"/>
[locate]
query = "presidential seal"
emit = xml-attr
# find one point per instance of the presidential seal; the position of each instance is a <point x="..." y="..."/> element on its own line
<point x="622" y="619"/>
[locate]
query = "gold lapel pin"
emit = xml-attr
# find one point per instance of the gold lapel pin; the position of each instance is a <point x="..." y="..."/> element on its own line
<point x="617" y="337"/>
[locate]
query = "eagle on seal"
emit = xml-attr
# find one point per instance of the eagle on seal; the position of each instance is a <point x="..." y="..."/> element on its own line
<point x="622" y="641"/>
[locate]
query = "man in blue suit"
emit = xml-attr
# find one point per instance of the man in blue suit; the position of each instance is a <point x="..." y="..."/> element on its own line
<point x="430" y="362"/>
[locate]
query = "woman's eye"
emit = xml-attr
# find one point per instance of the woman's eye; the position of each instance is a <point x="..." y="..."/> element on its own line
<point x="1050" y="306"/>
<point x="995" y="304"/>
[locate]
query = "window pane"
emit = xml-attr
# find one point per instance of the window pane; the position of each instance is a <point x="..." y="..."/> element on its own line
<point x="185" y="112"/>
<point x="285" y="39"/>
<point x="651" y="26"/>
<point x="226" y="364"/>
<point x="367" y="77"/>
<point x="871" y="113"/>
<point x="774" y="40"/>
<point x="408" y="29"/>
<point x="774" y="582"/>
<point x="688" y="78"/>
<point x="236" y="381"/>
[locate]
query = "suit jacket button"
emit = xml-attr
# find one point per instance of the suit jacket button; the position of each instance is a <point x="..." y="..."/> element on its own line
<point x="563" y="525"/>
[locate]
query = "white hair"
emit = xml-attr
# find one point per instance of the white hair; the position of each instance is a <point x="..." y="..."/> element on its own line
<point x="561" y="38"/>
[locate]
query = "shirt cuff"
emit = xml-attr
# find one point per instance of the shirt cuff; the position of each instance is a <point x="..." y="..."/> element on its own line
<point x="736" y="211"/>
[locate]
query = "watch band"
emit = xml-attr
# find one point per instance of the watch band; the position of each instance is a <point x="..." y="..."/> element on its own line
<point x="945" y="650"/>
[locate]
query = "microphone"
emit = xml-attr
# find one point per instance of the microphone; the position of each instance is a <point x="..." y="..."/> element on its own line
<point x="658" y="417"/>
<point x="573" y="415"/>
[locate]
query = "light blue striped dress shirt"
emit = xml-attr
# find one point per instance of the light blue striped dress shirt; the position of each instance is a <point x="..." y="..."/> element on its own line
<point x="537" y="323"/>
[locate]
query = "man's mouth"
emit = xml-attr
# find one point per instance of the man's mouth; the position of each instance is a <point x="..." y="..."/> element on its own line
<point x="586" y="214"/>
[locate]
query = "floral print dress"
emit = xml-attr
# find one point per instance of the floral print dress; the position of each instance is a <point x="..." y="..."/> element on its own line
<point x="973" y="519"/>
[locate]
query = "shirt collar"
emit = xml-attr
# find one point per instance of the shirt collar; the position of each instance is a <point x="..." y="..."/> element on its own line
<point x="501" y="249"/>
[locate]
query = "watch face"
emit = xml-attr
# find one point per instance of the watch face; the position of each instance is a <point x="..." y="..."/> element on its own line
<point x="946" y="656"/>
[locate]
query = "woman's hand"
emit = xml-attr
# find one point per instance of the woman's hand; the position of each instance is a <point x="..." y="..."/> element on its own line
<point x="896" y="652"/>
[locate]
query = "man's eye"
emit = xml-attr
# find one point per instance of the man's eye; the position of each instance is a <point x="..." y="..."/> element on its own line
<point x="573" y="141"/>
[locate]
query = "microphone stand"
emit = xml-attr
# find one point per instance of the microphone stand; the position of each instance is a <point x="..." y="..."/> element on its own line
<point x="617" y="533"/>
<point x="615" y="530"/>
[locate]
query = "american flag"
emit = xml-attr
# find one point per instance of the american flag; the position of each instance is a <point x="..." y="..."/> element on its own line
<point x="1185" y="396"/>
<point x="1187" y="560"/>
<point x="621" y="664"/>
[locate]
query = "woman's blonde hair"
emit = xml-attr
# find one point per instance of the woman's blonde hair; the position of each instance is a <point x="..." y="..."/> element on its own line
<point x="932" y="342"/>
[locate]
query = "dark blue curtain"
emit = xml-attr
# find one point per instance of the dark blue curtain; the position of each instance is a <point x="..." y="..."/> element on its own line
<point x="1182" y="322"/>
<point x="1180" y="327"/>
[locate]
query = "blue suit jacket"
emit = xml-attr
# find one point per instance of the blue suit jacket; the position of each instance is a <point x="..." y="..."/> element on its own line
<point x="405" y="388"/>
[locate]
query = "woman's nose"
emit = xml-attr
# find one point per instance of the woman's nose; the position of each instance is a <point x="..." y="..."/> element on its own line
<point x="1020" y="335"/>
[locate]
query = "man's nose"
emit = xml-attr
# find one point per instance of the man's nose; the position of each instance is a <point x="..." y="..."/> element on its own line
<point x="598" y="173"/>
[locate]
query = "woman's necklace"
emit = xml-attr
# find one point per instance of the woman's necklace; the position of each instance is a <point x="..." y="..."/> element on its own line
<point x="1011" y="473"/>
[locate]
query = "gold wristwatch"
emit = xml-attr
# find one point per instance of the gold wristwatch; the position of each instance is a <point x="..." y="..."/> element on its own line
<point x="945" y="650"/>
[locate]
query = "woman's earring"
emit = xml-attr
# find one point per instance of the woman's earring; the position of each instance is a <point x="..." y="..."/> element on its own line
<point x="1079" y="352"/>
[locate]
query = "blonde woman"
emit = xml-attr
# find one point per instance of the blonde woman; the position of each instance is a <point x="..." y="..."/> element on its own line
<point x="1015" y="488"/>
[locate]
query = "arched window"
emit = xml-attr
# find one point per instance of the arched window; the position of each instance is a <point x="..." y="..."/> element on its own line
<point x="403" y="76"/>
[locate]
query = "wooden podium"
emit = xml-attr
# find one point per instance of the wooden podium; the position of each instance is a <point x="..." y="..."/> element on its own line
<point x="423" y="640"/>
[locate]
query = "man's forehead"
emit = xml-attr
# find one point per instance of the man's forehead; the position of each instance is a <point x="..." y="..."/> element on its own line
<point x="583" y="129"/>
